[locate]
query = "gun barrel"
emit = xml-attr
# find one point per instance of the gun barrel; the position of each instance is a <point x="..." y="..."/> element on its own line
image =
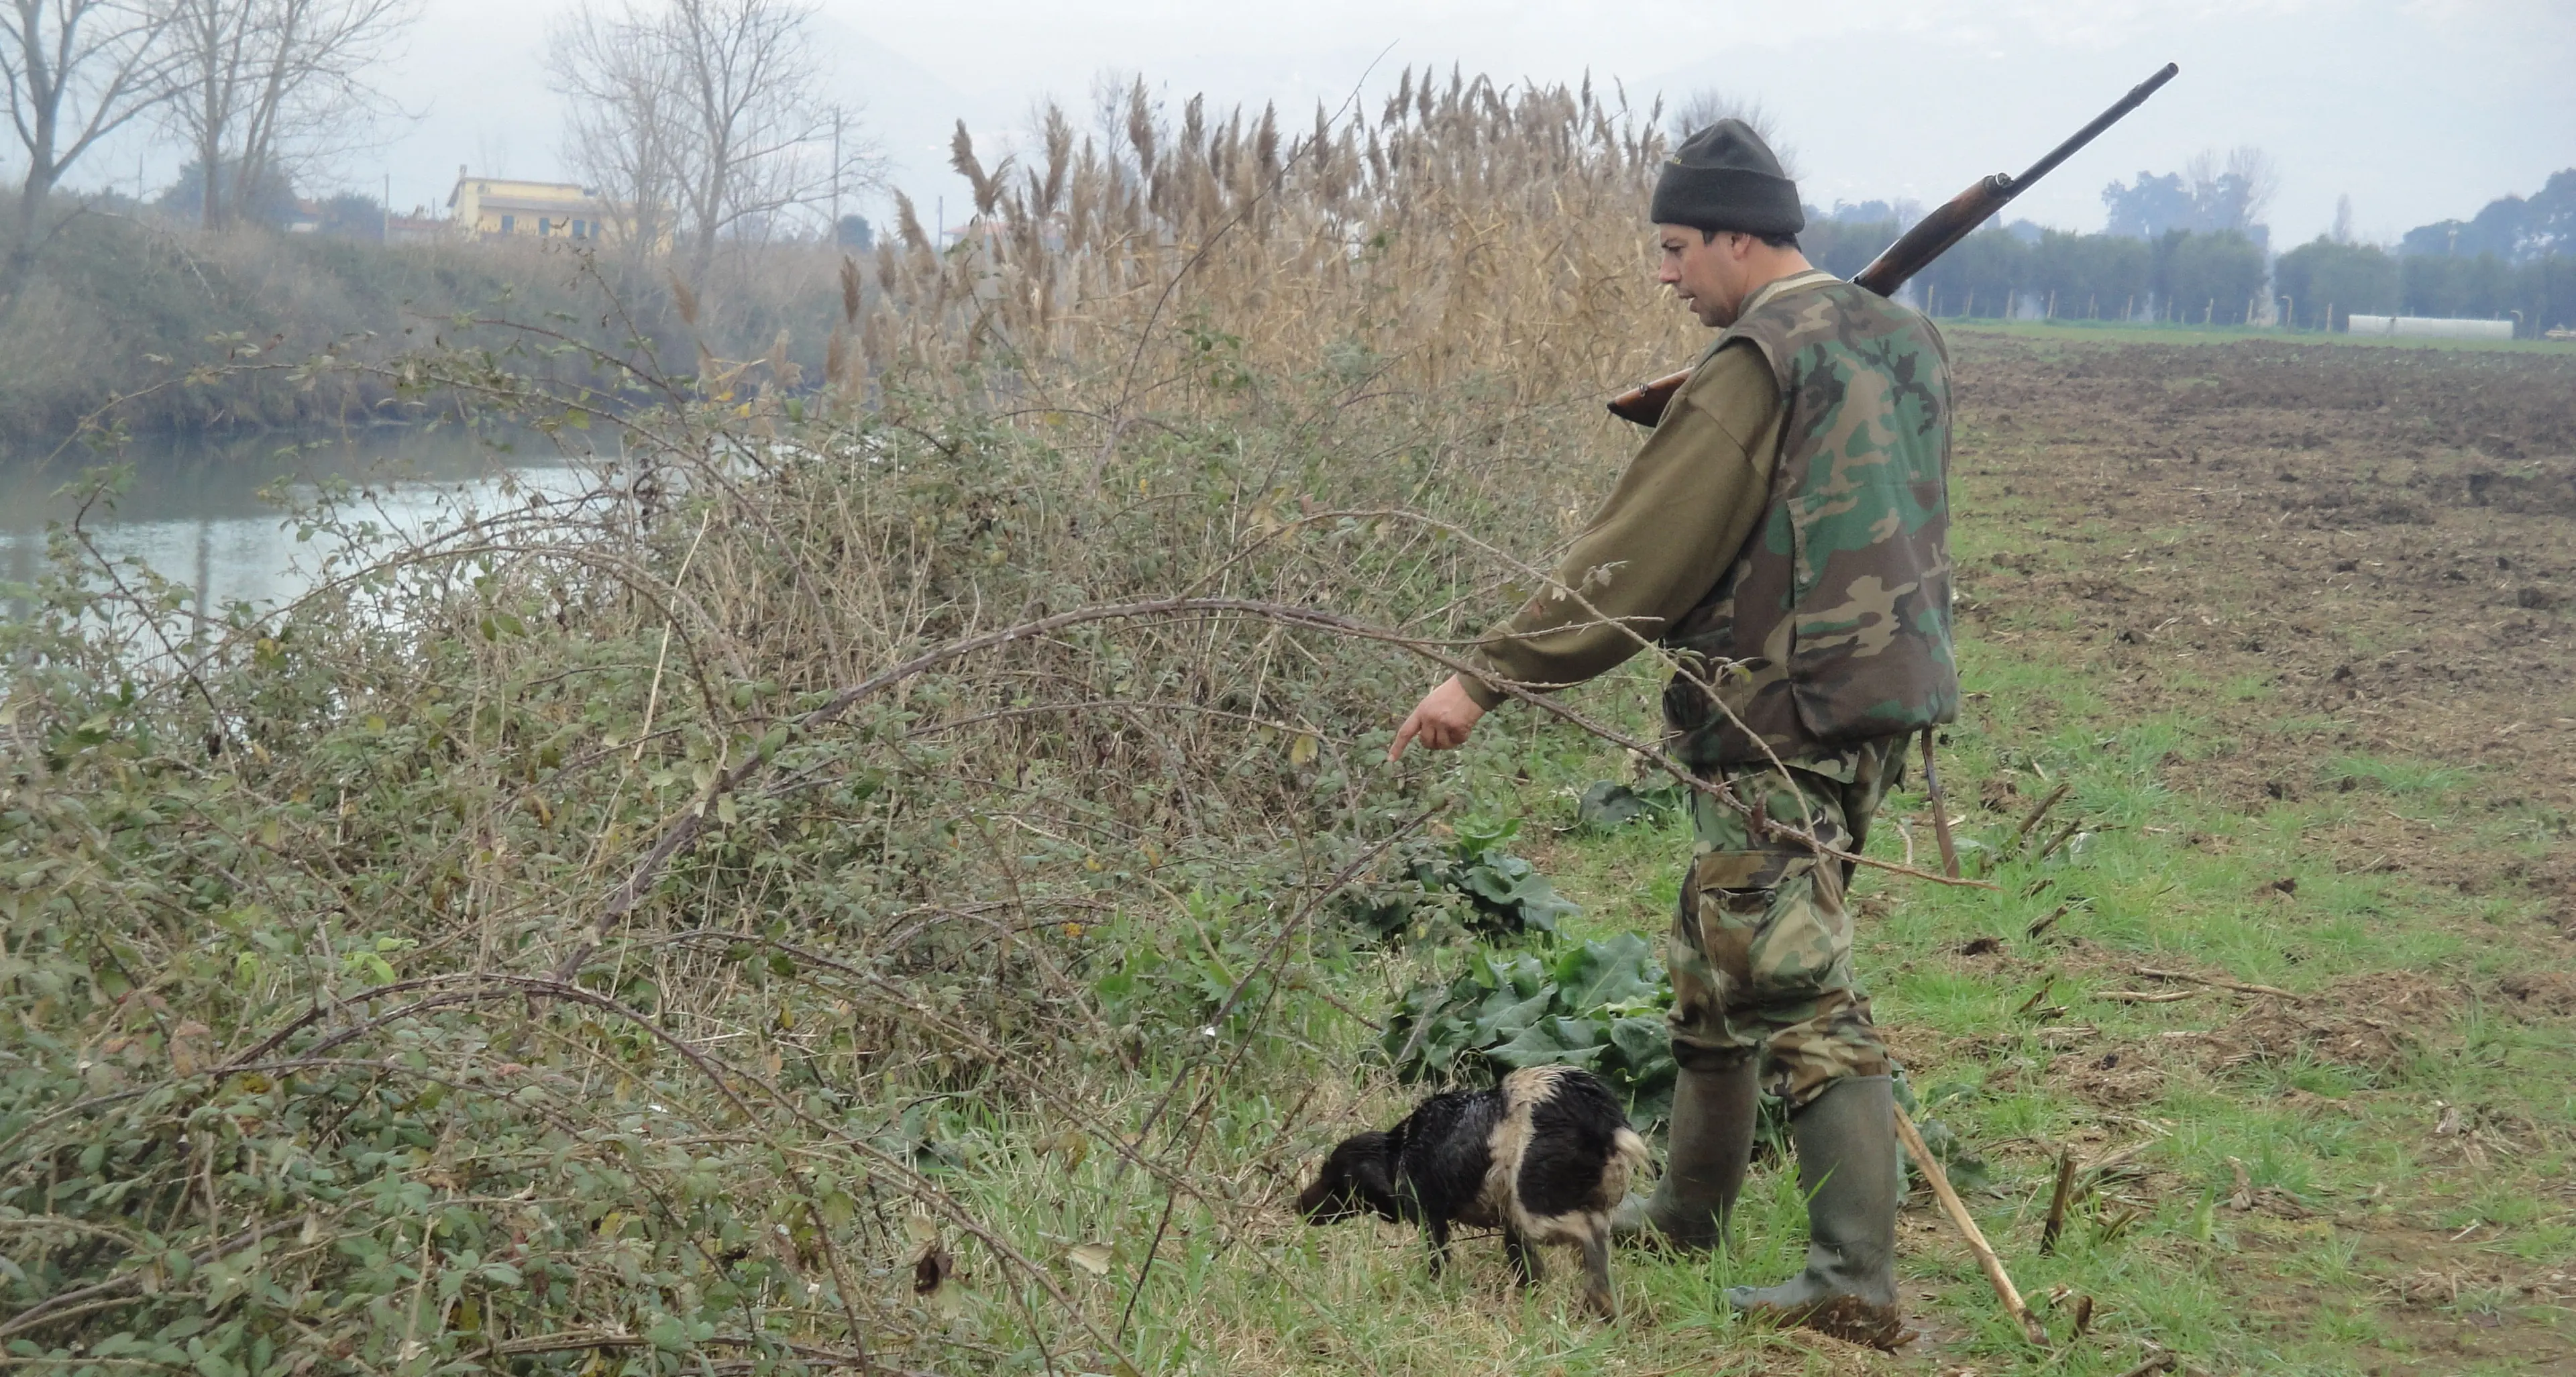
<point x="2137" y="96"/>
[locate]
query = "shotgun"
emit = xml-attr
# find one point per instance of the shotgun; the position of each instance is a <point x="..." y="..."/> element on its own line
<point x="1931" y="237"/>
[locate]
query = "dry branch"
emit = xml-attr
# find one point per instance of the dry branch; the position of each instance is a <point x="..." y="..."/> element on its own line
<point x="1940" y="809"/>
<point x="2039" y="810"/>
<point x="1975" y="1238"/>
<point x="2215" y="982"/>
<point x="2058" y="1200"/>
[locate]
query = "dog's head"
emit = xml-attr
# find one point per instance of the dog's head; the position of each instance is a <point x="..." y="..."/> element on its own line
<point x="1358" y="1178"/>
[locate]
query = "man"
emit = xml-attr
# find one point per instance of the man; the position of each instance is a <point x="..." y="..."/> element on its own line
<point x="1783" y="534"/>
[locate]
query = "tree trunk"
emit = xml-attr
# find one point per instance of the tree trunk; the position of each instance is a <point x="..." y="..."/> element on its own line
<point x="18" y="262"/>
<point x="210" y="212"/>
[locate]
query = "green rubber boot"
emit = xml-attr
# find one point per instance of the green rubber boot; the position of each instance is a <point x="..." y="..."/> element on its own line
<point x="1712" y="1139"/>
<point x="1846" y="1141"/>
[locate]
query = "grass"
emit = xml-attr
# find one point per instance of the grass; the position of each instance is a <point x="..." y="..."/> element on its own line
<point x="2347" y="1256"/>
<point x="2364" y="1234"/>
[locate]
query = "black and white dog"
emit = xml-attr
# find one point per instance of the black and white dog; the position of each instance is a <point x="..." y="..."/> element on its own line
<point x="1545" y="1157"/>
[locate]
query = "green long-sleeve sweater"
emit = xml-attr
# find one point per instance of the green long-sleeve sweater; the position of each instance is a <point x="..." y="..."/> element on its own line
<point x="1669" y="531"/>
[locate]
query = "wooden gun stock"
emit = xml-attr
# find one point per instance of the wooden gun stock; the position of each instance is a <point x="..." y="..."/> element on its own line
<point x="1931" y="237"/>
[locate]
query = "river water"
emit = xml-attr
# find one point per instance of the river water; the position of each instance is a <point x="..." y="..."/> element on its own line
<point x="195" y="509"/>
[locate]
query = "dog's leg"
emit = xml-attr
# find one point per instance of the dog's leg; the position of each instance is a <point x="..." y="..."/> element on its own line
<point x="1525" y="1260"/>
<point x="1597" y="1295"/>
<point x="1437" y="1231"/>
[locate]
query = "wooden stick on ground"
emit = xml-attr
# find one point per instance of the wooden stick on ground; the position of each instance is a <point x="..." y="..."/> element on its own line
<point x="1968" y="1230"/>
<point x="2274" y="991"/>
<point x="2031" y="819"/>
<point x="1940" y="809"/>
<point x="2058" y="1200"/>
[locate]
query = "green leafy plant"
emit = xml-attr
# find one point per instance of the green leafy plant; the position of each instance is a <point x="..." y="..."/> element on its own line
<point x="1609" y="805"/>
<point x="1502" y="895"/>
<point x="1599" y="1006"/>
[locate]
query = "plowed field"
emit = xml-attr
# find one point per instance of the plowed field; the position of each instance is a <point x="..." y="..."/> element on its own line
<point x="2372" y="550"/>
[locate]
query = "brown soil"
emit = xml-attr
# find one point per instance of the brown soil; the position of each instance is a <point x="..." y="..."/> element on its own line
<point x="2547" y="992"/>
<point x="2372" y="1022"/>
<point x="2379" y="538"/>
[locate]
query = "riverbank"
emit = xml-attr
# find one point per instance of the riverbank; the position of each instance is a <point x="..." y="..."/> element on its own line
<point x="150" y="329"/>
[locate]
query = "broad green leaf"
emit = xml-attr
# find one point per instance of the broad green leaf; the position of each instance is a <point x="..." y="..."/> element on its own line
<point x="1615" y="971"/>
<point x="1642" y="1042"/>
<point x="1575" y="1033"/>
<point x="1509" y="1019"/>
<point x="1539" y="1046"/>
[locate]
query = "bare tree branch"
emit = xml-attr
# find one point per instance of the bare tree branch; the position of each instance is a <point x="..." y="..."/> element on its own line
<point x="256" y="85"/>
<point x="75" y="71"/>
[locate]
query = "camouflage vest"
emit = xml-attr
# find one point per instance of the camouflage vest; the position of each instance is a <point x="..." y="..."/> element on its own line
<point x="1834" y="623"/>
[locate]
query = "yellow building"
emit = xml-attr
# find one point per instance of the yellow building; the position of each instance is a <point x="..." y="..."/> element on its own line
<point x="501" y="208"/>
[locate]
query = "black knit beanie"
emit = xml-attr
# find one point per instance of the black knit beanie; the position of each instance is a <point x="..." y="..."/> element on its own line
<point x="1725" y="178"/>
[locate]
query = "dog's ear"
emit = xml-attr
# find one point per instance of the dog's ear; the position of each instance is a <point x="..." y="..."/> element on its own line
<point x="1357" y="1176"/>
<point x="1373" y="1174"/>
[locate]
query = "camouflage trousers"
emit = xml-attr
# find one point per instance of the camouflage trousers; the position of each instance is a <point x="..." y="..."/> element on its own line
<point x="1761" y="947"/>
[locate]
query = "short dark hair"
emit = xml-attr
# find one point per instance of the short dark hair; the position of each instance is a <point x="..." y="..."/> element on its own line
<point x="1777" y="241"/>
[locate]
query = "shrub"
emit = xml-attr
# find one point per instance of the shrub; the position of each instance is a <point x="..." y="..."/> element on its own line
<point x="600" y="931"/>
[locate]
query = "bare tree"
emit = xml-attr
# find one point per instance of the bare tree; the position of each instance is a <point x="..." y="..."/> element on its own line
<point x="76" y="71"/>
<point x="1709" y="104"/>
<point x="2343" y="219"/>
<point x="257" y="85"/>
<point x="623" y="127"/>
<point x="2231" y="191"/>
<point x="705" y="118"/>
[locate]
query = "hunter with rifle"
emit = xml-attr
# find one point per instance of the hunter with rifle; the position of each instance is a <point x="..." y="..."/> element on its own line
<point x="1782" y="533"/>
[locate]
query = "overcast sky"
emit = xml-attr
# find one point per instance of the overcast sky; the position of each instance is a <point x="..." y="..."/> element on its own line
<point x="2417" y="109"/>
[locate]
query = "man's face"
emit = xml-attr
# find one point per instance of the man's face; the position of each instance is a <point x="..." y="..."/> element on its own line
<point x="1707" y="273"/>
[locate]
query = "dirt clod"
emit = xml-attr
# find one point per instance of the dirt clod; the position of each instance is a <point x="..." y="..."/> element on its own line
<point x="2548" y="992"/>
<point x="2369" y="1022"/>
